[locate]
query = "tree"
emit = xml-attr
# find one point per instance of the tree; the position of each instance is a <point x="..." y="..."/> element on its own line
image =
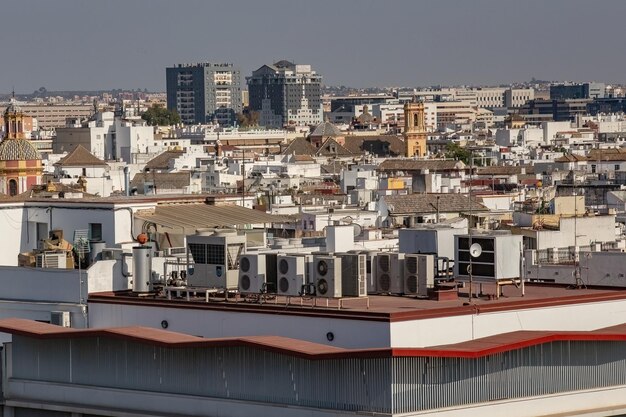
<point x="248" y="118"/>
<point x="160" y="116"/>
<point x="455" y="151"/>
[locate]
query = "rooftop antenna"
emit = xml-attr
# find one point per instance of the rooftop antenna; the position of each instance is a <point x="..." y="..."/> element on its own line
<point x="469" y="229"/>
<point x="81" y="246"/>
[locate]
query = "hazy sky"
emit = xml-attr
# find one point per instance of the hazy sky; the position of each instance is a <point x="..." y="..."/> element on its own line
<point x="72" y="44"/>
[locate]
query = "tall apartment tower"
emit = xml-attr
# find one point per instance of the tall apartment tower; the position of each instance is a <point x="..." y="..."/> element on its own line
<point x="414" y="129"/>
<point x="205" y="92"/>
<point x="285" y="94"/>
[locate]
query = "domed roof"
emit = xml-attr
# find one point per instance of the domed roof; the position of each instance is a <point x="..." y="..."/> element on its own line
<point x="13" y="108"/>
<point x="18" y="150"/>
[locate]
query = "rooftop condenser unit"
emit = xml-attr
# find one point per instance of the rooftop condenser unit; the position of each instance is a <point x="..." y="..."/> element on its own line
<point x="353" y="275"/>
<point x="389" y="273"/>
<point x="252" y="273"/>
<point x="291" y="274"/>
<point x="327" y="271"/>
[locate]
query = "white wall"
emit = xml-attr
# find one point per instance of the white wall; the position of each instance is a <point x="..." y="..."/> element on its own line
<point x="550" y="129"/>
<point x="220" y="323"/>
<point x="441" y="331"/>
<point x="13" y="231"/>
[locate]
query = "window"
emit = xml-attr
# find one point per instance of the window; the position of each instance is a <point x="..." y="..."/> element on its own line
<point x="12" y="187"/>
<point x="95" y="232"/>
<point x="616" y="167"/>
<point x="593" y="169"/>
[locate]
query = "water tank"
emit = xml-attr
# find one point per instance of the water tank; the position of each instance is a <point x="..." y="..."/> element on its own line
<point x="142" y="268"/>
<point x="96" y="250"/>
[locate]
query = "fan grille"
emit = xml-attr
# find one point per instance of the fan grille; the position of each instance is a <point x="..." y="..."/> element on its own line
<point x="245" y="282"/>
<point x="244" y="264"/>
<point x="384" y="282"/>
<point x="322" y="287"/>
<point x="383" y="263"/>
<point x="411" y="284"/>
<point x="283" y="284"/>
<point x="411" y="264"/>
<point x="283" y="266"/>
<point x="322" y="268"/>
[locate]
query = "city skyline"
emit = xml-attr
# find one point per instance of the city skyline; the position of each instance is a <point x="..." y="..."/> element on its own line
<point x="76" y="45"/>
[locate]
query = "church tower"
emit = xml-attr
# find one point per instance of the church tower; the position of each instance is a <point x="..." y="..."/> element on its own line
<point x="20" y="162"/>
<point x="414" y="129"/>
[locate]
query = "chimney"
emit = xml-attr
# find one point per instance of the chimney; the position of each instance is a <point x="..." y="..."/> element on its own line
<point x="126" y="181"/>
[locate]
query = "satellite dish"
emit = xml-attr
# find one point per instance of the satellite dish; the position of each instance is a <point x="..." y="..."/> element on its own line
<point x="357" y="229"/>
<point x="475" y="250"/>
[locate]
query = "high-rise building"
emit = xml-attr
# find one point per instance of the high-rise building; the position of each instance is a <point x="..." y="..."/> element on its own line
<point x="577" y="91"/>
<point x="204" y="92"/>
<point x="285" y="93"/>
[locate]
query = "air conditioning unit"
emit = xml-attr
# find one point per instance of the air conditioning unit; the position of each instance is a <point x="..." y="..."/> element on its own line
<point x="492" y="256"/>
<point x="60" y="318"/>
<point x="419" y="274"/>
<point x="389" y="273"/>
<point x="353" y="275"/>
<point x="426" y="269"/>
<point x="252" y="273"/>
<point x="51" y="260"/>
<point x="271" y="272"/>
<point x="175" y="251"/>
<point x="327" y="276"/>
<point x="291" y="274"/>
<point x="410" y="274"/>
<point x="370" y="265"/>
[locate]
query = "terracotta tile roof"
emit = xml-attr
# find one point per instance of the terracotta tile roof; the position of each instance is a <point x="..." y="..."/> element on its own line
<point x="303" y="158"/>
<point x="615" y="154"/>
<point x="326" y="129"/>
<point x="571" y="157"/>
<point x="162" y="161"/>
<point x="80" y="157"/>
<point x="428" y="203"/>
<point x="163" y="180"/>
<point x="408" y="165"/>
<point x="331" y="147"/>
<point x="378" y="145"/>
<point x="299" y="146"/>
<point x="197" y="216"/>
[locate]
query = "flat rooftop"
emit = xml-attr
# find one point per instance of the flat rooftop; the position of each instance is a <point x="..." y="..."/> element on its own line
<point x="379" y="308"/>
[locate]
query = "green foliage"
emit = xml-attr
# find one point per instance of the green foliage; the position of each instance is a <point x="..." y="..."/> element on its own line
<point x="248" y="119"/>
<point x="160" y="116"/>
<point x="454" y="151"/>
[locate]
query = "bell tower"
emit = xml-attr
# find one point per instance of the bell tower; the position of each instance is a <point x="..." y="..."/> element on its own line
<point x="414" y="129"/>
<point x="20" y="162"/>
<point x="14" y="121"/>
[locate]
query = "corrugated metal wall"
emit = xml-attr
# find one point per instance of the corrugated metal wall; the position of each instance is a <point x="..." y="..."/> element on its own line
<point x="385" y="385"/>
<point x="430" y="383"/>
